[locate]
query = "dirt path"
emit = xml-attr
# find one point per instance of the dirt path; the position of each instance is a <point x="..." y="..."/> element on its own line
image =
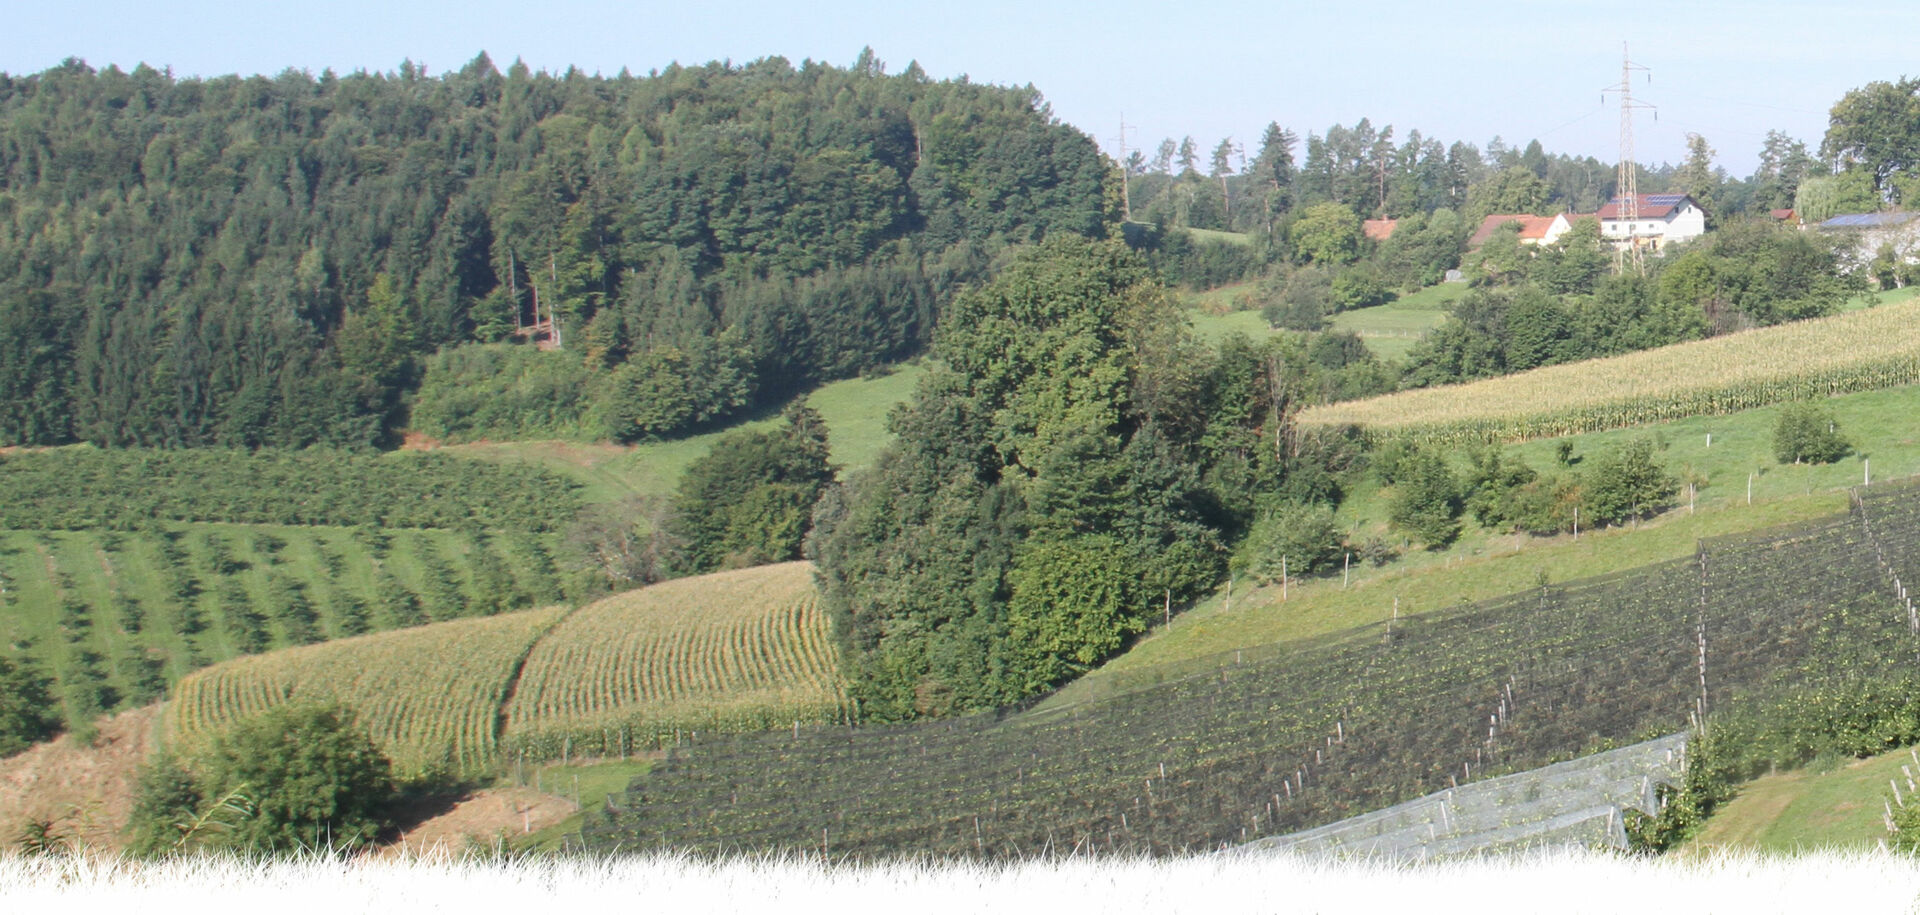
<point x="479" y="818"/>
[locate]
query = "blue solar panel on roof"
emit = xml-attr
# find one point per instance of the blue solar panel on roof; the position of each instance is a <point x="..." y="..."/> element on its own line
<point x="1868" y="220"/>
<point x="1665" y="198"/>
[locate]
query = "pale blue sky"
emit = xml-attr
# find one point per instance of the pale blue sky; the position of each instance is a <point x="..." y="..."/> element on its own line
<point x="1727" y="70"/>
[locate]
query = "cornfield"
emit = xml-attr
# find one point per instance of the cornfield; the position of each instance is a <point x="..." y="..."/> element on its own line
<point x="1860" y="351"/>
<point x="430" y="696"/>
<point x="741" y="650"/>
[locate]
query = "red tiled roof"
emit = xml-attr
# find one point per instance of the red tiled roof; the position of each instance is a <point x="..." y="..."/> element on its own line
<point x="1531" y="227"/>
<point x="1652" y="206"/>
<point x="1785" y="215"/>
<point x="1379" y="229"/>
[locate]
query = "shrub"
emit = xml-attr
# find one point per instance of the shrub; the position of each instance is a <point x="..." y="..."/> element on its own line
<point x="1299" y="539"/>
<point x="1806" y="433"/>
<point x="1426" y="501"/>
<point x="299" y="776"/>
<point x="1628" y="483"/>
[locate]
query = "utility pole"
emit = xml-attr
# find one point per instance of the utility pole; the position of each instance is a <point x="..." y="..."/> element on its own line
<point x="1126" y="174"/>
<point x="1627" y="187"/>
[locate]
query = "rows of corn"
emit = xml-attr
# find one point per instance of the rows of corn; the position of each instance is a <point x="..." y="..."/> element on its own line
<point x="429" y="696"/>
<point x="741" y="650"/>
<point x="737" y="650"/>
<point x="1859" y="351"/>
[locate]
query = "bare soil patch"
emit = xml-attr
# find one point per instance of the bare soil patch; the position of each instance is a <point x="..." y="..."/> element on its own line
<point x="85" y="791"/>
<point x="477" y="819"/>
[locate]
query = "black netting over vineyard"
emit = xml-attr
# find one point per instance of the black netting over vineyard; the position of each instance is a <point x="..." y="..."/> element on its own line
<point x="1271" y="742"/>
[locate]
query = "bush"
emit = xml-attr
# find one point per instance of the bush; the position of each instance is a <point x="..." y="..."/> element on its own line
<point x="670" y="390"/>
<point x="1300" y="300"/>
<point x="1628" y="483"/>
<point x="1426" y="501"/>
<point x="749" y="500"/>
<point x="1301" y="539"/>
<point x="1358" y="287"/>
<point x="1806" y="433"/>
<point x="298" y="777"/>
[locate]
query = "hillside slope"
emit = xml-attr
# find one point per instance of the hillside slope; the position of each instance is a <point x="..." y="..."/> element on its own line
<point x="1255" y="743"/>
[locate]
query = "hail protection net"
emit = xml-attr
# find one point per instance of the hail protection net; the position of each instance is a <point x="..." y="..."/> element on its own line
<point x="1268" y="743"/>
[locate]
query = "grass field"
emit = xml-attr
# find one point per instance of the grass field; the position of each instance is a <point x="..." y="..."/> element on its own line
<point x="1213" y="328"/>
<point x="855" y="411"/>
<point x="1856" y="351"/>
<point x="738" y="650"/>
<point x="429" y="696"/>
<point x="1391" y="330"/>
<point x="1815" y="808"/>
<point x="1231" y="238"/>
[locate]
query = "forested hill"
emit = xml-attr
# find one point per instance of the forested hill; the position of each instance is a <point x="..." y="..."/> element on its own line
<point x="268" y="261"/>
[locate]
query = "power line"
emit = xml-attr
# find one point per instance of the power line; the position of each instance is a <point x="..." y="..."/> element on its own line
<point x="1628" y="182"/>
<point x="1126" y="174"/>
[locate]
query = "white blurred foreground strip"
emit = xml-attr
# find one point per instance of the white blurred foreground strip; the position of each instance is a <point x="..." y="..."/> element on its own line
<point x="1559" y="882"/>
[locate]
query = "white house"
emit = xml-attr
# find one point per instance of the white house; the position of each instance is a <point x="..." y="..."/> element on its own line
<point x="1660" y="220"/>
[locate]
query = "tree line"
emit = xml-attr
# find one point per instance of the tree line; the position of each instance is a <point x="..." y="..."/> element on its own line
<point x="1366" y="169"/>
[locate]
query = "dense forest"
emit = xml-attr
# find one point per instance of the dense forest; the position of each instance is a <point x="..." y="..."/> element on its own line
<point x="248" y="261"/>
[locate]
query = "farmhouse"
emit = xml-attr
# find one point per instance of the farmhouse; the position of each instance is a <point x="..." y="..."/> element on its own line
<point x="1534" y="230"/>
<point x="1657" y="221"/>
<point x="1866" y="234"/>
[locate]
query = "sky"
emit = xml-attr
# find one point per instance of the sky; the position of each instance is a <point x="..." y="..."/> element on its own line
<point x="1470" y="70"/>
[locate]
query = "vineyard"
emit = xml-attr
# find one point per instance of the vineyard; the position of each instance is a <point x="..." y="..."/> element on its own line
<point x="118" y="616"/>
<point x="430" y="697"/>
<point x="1858" y="351"/>
<point x="744" y="649"/>
<point x="1270" y="742"/>
<point x="731" y="651"/>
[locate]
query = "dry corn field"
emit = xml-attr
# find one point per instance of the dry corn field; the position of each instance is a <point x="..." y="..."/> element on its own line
<point x="736" y="650"/>
<point x="1859" y="351"/>
<point x="430" y="696"/>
